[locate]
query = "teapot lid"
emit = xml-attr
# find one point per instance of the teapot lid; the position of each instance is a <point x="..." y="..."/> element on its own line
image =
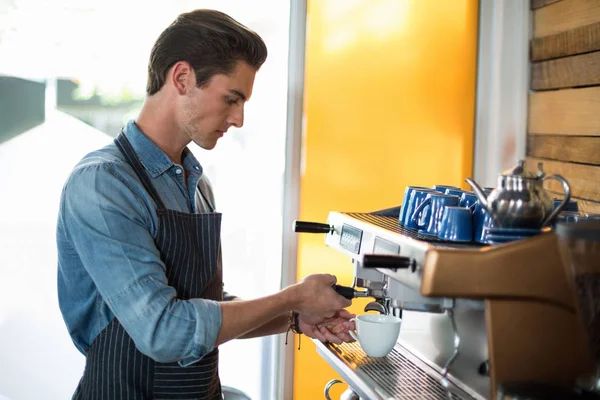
<point x="519" y="170"/>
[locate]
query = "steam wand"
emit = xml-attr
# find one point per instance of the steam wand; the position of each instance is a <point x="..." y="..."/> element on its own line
<point x="445" y="370"/>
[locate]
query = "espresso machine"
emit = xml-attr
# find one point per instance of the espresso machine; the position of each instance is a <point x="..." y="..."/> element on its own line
<point x="474" y="316"/>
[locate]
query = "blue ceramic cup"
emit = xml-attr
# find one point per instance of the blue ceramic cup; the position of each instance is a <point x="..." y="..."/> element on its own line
<point x="455" y="192"/>
<point x="417" y="196"/>
<point x="467" y="199"/>
<point x="571" y="205"/>
<point x="481" y="220"/>
<point x="568" y="216"/>
<point x="456" y="225"/>
<point x="406" y="200"/>
<point x="443" y="188"/>
<point x="436" y="202"/>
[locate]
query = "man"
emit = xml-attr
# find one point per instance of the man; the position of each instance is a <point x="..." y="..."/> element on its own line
<point x="139" y="270"/>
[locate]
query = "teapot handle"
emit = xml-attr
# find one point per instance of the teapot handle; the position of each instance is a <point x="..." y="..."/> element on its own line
<point x="565" y="201"/>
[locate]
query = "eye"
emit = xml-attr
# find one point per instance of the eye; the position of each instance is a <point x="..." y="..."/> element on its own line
<point x="230" y="100"/>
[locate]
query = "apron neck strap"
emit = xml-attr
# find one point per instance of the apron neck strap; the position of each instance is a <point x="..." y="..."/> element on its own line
<point x="125" y="147"/>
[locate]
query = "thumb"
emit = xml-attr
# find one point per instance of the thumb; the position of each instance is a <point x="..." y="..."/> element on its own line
<point x="333" y="279"/>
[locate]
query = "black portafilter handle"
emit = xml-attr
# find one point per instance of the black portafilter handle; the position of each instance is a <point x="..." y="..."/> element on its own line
<point x="344" y="291"/>
<point x="387" y="261"/>
<point x="312" y="227"/>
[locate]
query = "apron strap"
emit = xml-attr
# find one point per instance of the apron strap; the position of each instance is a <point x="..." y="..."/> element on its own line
<point x="127" y="150"/>
<point x="201" y="183"/>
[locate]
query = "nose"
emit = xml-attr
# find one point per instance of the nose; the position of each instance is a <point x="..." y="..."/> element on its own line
<point x="236" y="116"/>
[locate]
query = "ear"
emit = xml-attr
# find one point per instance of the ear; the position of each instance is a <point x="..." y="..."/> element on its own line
<point x="182" y="77"/>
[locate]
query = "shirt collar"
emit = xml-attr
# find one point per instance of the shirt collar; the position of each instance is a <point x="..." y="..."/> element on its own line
<point x="152" y="157"/>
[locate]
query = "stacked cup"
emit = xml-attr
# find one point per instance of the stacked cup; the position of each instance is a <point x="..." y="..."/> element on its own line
<point x="445" y="212"/>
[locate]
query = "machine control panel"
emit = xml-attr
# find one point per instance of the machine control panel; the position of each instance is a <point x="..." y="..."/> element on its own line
<point x="350" y="238"/>
<point x="383" y="246"/>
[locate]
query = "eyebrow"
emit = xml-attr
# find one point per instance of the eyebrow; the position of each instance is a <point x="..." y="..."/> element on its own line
<point x="238" y="93"/>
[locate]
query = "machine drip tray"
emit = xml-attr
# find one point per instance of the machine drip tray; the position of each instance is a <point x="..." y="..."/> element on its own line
<point x="399" y="375"/>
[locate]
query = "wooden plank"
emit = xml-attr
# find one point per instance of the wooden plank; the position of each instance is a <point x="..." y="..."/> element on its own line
<point x="565" y="112"/>
<point x="565" y="15"/>
<point x="574" y="71"/>
<point x="541" y="3"/>
<point x="585" y="206"/>
<point x="583" y="179"/>
<point x="565" y="148"/>
<point x="575" y="41"/>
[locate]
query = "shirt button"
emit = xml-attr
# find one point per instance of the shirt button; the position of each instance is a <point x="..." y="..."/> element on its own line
<point x="178" y="171"/>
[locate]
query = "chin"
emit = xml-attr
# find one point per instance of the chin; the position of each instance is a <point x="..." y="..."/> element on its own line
<point x="206" y="146"/>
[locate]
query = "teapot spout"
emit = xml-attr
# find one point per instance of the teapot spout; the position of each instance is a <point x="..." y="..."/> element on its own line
<point x="478" y="192"/>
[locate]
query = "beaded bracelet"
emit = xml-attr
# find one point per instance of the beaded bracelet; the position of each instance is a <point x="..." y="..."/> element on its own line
<point x="294" y="327"/>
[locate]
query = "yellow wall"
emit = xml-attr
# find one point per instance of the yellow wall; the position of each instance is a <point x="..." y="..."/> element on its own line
<point x="389" y="102"/>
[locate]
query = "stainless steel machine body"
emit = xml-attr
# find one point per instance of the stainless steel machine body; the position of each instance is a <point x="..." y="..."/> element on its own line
<point x="441" y="352"/>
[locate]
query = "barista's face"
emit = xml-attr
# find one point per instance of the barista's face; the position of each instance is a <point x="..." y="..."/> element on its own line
<point x="206" y="113"/>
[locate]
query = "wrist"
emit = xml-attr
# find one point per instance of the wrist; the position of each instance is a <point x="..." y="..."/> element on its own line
<point x="291" y="298"/>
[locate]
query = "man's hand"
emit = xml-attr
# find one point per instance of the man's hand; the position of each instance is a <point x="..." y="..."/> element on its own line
<point x="334" y="329"/>
<point x="314" y="295"/>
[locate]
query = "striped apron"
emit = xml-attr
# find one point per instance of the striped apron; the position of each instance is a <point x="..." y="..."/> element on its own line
<point x="189" y="245"/>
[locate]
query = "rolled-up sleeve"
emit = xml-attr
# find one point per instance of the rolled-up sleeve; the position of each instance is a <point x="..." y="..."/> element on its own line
<point x="111" y="226"/>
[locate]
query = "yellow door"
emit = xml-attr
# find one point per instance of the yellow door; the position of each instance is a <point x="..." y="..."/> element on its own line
<point x="389" y="102"/>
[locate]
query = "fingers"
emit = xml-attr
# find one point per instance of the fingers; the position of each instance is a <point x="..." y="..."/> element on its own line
<point x="345" y="302"/>
<point x="343" y="313"/>
<point x="328" y="311"/>
<point x="317" y="296"/>
<point x="345" y="337"/>
<point x="335" y="330"/>
<point x="316" y="332"/>
<point x="330" y="336"/>
<point x="350" y="325"/>
<point x="341" y="300"/>
<point x="324" y="278"/>
<point x="336" y="325"/>
<point x="335" y="336"/>
<point x="333" y="303"/>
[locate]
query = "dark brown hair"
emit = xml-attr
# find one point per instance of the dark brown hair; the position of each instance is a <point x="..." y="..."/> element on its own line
<point x="210" y="41"/>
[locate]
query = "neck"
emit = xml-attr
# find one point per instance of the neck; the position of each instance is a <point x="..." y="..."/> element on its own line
<point x="157" y="122"/>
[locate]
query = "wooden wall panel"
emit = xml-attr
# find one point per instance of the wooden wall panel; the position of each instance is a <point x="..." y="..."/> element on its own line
<point x="583" y="39"/>
<point x="583" y="179"/>
<point x="564" y="105"/>
<point x="565" y="15"/>
<point x="585" y="206"/>
<point x="585" y="150"/>
<point x="567" y="72"/>
<point x="565" y="112"/>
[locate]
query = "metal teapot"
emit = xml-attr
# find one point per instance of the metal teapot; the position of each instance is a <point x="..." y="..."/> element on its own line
<point x="520" y="200"/>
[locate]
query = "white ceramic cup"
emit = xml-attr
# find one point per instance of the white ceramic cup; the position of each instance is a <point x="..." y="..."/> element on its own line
<point x="376" y="333"/>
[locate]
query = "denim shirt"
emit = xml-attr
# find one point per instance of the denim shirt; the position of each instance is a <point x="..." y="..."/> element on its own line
<point x="108" y="263"/>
